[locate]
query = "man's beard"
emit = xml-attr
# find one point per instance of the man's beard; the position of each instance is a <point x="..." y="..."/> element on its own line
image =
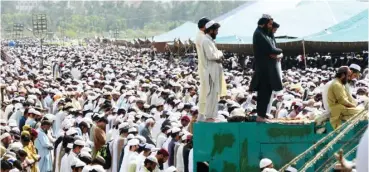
<point x="344" y="80"/>
<point x="266" y="30"/>
<point x="213" y="35"/>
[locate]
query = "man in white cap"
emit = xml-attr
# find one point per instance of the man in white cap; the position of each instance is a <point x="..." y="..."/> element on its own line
<point x="150" y="164"/>
<point x="130" y="153"/>
<point x="5" y="140"/>
<point x="350" y="86"/>
<point x="44" y="147"/>
<point x="118" y="145"/>
<point x="201" y="62"/>
<point x="73" y="155"/>
<point x="266" y="165"/>
<point x="213" y="71"/>
<point x="146" y="132"/>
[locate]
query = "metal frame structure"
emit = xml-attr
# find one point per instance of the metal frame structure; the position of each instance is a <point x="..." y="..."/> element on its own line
<point x="18" y="30"/>
<point x="116" y="33"/>
<point x="39" y="22"/>
<point x="8" y="33"/>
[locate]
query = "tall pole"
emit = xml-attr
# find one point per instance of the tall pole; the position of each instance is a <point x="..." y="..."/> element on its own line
<point x="303" y="49"/>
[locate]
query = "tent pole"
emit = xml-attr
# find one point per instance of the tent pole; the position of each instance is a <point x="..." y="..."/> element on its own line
<point x="303" y="49"/>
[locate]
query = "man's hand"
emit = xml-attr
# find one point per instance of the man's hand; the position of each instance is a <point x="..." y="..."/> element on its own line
<point x="350" y="106"/>
<point x="273" y="56"/>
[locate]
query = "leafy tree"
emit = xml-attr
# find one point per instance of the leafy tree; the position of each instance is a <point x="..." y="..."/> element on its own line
<point x="133" y="18"/>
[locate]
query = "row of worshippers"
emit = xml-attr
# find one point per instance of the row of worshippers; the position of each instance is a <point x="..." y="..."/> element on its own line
<point x="312" y="61"/>
<point x="127" y="152"/>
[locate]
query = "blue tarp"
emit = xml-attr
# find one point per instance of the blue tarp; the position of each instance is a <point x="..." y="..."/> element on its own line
<point x="354" y="29"/>
<point x="297" y="18"/>
<point x="184" y="32"/>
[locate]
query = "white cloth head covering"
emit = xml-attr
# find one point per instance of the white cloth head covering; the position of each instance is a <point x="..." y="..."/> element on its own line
<point x="265" y="162"/>
<point x="355" y="66"/>
<point x="209" y="24"/>
<point x="152" y="159"/>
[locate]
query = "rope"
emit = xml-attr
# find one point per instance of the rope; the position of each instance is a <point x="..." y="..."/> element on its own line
<point x="330" y="144"/>
<point x="299" y="157"/>
<point x="360" y="132"/>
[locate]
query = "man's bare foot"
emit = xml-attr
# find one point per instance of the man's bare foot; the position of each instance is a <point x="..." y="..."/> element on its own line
<point x="260" y="119"/>
<point x="210" y="120"/>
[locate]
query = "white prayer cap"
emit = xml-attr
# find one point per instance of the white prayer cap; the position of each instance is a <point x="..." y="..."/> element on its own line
<point x="133" y="142"/>
<point x="160" y="102"/>
<point x="265" y="162"/>
<point x="70" y="145"/>
<point x="3" y="121"/>
<point x="86" y="149"/>
<point x="123" y="125"/>
<point x="130" y="136"/>
<point x="132" y="129"/>
<point x="171" y="169"/>
<point x="150" y="120"/>
<point x="80" y="163"/>
<point x="298" y="104"/>
<point x="32" y="111"/>
<point x="356" y="67"/>
<point x="88" y="121"/>
<point x="238" y="112"/>
<point x="16" y="129"/>
<point x="180" y="106"/>
<point x="152" y="159"/>
<point x="11" y="124"/>
<point x="269" y="170"/>
<point x="50" y="117"/>
<point x="98" y="168"/>
<point x="175" y="130"/>
<point x="71" y="131"/>
<point x="291" y="169"/>
<point x="209" y="24"/>
<point x="141" y="139"/>
<point x="15" y="146"/>
<point x="267" y="16"/>
<point x="5" y="135"/>
<point x="38" y="113"/>
<point x="225" y="113"/>
<point x="84" y="153"/>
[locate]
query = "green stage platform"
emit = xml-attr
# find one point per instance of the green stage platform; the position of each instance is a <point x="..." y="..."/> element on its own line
<point x="238" y="147"/>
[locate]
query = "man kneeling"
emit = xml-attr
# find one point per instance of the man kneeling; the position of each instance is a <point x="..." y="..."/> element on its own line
<point x="342" y="105"/>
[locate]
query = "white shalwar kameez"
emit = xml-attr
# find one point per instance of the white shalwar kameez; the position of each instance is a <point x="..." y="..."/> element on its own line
<point x="213" y="74"/>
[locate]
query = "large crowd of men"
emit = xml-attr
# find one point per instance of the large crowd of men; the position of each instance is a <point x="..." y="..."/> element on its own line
<point x="119" y="109"/>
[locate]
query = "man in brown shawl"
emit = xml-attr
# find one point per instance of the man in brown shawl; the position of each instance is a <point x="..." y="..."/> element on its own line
<point x="99" y="135"/>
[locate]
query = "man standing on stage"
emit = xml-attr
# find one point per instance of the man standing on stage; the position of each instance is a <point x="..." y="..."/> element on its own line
<point x="213" y="71"/>
<point x="201" y="69"/>
<point x="266" y="77"/>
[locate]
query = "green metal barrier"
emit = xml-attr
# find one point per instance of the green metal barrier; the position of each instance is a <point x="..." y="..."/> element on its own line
<point x="238" y="147"/>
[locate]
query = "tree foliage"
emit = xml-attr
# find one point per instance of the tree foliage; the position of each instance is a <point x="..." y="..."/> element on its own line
<point x="87" y="18"/>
